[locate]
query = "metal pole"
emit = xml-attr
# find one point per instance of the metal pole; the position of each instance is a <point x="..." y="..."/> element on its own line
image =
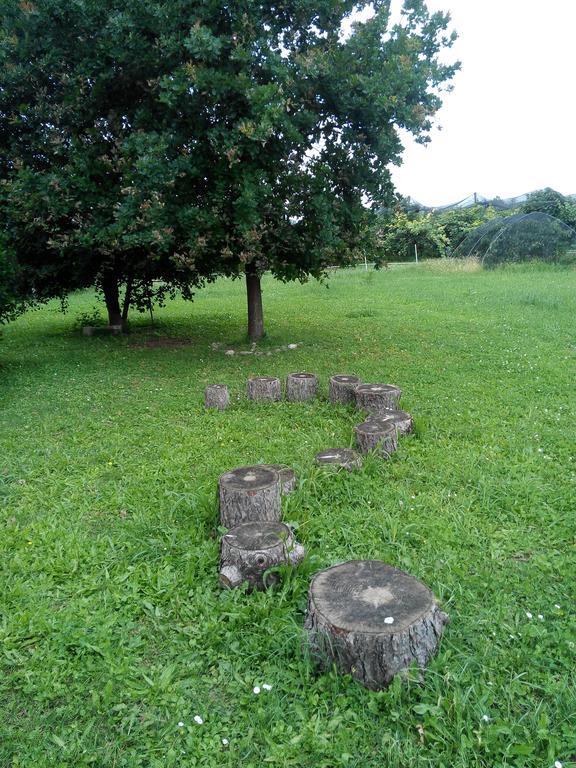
<point x="416" y="252"/>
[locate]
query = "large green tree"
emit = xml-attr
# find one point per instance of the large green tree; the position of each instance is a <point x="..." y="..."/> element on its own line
<point x="175" y="141"/>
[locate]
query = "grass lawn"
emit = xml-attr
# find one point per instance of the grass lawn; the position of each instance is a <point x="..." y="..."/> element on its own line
<point x="113" y="627"/>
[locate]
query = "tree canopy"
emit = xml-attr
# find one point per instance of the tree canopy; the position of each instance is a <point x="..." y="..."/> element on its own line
<point x="160" y="144"/>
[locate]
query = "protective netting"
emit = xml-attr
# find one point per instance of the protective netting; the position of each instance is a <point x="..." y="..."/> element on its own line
<point x="519" y="238"/>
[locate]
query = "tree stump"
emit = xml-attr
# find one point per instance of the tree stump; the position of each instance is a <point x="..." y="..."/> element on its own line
<point x="250" y="549"/>
<point x="301" y="387"/>
<point x="376" y="398"/>
<point x="381" y="435"/>
<point x="339" y="458"/>
<point x="372" y="621"/>
<point x="216" y="396"/>
<point x="341" y="389"/>
<point x="287" y="476"/>
<point x="264" y="388"/>
<point x="249" y="493"/>
<point x="401" y="419"/>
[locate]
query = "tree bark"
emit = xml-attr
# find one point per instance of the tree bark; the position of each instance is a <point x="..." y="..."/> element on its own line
<point x="301" y="387"/>
<point x="216" y="396"/>
<point x="250" y="549"/>
<point x="254" y="296"/>
<point x="112" y="299"/>
<point x="127" y="300"/>
<point x="339" y="458"/>
<point x="401" y="419"/>
<point x="287" y="476"/>
<point x="264" y="388"/>
<point x="249" y="493"/>
<point x="372" y="621"/>
<point x="376" y="398"/>
<point x="341" y="388"/>
<point x="381" y="435"/>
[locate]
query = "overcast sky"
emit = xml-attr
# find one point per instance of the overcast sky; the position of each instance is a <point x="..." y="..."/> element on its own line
<point x="509" y="126"/>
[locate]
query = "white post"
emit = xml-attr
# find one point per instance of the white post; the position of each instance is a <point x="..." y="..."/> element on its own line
<point x="365" y="263"/>
<point x="416" y="252"/>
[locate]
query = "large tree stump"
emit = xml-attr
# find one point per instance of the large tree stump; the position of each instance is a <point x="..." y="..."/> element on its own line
<point x="341" y="388"/>
<point x="250" y="549"/>
<point x="339" y="458"/>
<point x="401" y="419"/>
<point x="380" y="435"/>
<point x="301" y="386"/>
<point x="264" y="388"/>
<point x="249" y="493"/>
<point x="376" y="398"/>
<point x="287" y="476"/>
<point x="216" y="396"/>
<point x="372" y="621"/>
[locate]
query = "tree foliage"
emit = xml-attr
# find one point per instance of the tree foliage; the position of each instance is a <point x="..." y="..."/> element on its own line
<point x="177" y="141"/>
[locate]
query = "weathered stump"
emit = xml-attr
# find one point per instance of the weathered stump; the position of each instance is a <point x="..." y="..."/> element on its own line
<point x="376" y="398"/>
<point x="341" y="388"/>
<point x="339" y="458"/>
<point x="401" y="419"/>
<point x="301" y="386"/>
<point x="249" y="493"/>
<point x="381" y="435"/>
<point x="372" y="621"/>
<point x="216" y="396"/>
<point x="264" y="388"/>
<point x="250" y="549"/>
<point x="287" y="476"/>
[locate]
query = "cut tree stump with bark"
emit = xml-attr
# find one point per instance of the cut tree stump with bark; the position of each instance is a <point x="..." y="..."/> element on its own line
<point x="264" y="388"/>
<point x="249" y="493"/>
<point x="216" y="396"/>
<point x="380" y="435"/>
<point x="250" y="549"/>
<point x="339" y="458"/>
<point x="401" y="419"/>
<point x="301" y="387"/>
<point x="341" y="388"/>
<point x="287" y="476"/>
<point x="376" y="398"/>
<point x="372" y="621"/>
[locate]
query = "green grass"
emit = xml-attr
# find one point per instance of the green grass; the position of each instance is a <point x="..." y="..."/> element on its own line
<point x="113" y="627"/>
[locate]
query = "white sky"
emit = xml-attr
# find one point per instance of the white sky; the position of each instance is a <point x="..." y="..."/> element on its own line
<point x="509" y="126"/>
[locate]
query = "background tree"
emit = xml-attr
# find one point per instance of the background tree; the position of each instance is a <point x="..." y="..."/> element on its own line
<point x="179" y="141"/>
<point x="11" y="300"/>
<point x="553" y="203"/>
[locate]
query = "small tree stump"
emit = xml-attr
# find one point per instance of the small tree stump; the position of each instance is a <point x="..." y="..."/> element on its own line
<point x="376" y="398"/>
<point x="401" y="419"/>
<point x="216" y="396"/>
<point x="339" y="458"/>
<point x="381" y="435"/>
<point x="249" y="493"/>
<point x="301" y="387"/>
<point x="341" y="389"/>
<point x="250" y="549"/>
<point x="287" y="476"/>
<point x="372" y="621"/>
<point x="264" y="388"/>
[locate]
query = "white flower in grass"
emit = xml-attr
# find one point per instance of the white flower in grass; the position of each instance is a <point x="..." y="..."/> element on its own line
<point x="557" y="764"/>
<point x="180" y="724"/>
<point x="198" y="719"/>
<point x="256" y="689"/>
<point x="267" y="686"/>
<point x="486" y="718"/>
<point x="225" y="742"/>
<point x="556" y="606"/>
<point x="541" y="617"/>
<point x="528" y="614"/>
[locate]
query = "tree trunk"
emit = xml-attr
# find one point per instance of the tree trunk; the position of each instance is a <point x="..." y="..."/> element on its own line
<point x="342" y="388"/>
<point x="216" y="396"/>
<point x="381" y="435"/>
<point x="112" y="299"/>
<point x="254" y="295"/>
<point x="338" y="458"/>
<point x="287" y="476"/>
<point x="401" y="420"/>
<point x="127" y="300"/>
<point x="372" y="621"/>
<point x="250" y="549"/>
<point x="301" y="387"/>
<point x="264" y="388"/>
<point x="376" y="398"/>
<point x="249" y="493"/>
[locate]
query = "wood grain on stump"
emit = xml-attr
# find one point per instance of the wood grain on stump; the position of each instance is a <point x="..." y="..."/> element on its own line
<point x="401" y="419"/>
<point x="376" y="398"/>
<point x="250" y="549"/>
<point x="301" y="386"/>
<point x="264" y="388"/>
<point x="287" y="476"/>
<point x="339" y="458"/>
<point x="249" y="493"/>
<point x="341" y="388"/>
<point x="380" y="435"/>
<point x="216" y="396"/>
<point x="372" y="621"/>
